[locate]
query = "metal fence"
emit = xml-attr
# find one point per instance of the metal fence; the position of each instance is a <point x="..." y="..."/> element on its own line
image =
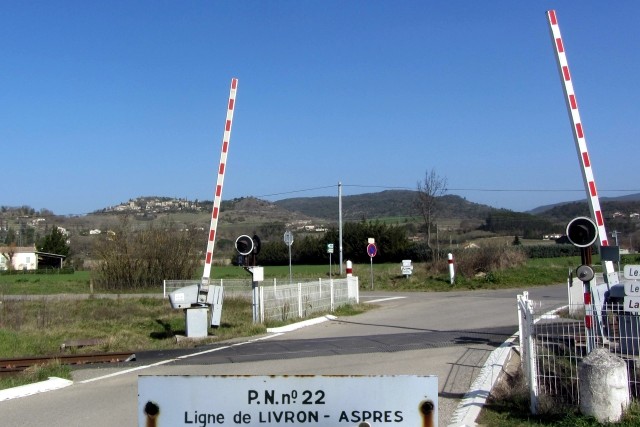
<point x="299" y="300"/>
<point x="553" y="341"/>
<point x="284" y="301"/>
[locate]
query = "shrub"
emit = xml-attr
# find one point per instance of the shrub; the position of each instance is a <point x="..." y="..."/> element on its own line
<point x="130" y="259"/>
<point x="470" y="262"/>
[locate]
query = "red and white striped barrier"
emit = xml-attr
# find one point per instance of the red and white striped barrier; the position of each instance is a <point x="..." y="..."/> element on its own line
<point x="579" y="139"/>
<point x="221" y="170"/>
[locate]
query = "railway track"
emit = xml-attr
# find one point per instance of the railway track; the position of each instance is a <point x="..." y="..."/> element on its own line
<point x="14" y="366"/>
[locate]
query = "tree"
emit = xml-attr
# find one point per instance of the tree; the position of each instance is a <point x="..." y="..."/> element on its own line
<point x="138" y="259"/>
<point x="10" y="251"/>
<point x="11" y="237"/>
<point x="432" y="187"/>
<point x="54" y="243"/>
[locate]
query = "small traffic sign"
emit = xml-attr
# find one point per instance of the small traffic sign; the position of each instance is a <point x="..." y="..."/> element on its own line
<point x="372" y="250"/>
<point x="632" y="272"/>
<point x="288" y="238"/>
<point x="329" y="248"/>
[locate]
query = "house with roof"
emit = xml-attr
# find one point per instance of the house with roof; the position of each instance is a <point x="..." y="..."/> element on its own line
<point x="28" y="258"/>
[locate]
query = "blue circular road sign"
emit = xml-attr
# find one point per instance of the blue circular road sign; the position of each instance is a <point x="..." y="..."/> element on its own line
<point x="372" y="250"/>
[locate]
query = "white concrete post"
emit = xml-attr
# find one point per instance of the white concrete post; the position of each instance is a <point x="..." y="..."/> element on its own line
<point x="332" y="300"/>
<point x="603" y="385"/>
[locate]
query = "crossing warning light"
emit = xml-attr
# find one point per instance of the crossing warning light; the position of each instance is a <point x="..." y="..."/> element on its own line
<point x="582" y="232"/>
<point x="244" y="245"/>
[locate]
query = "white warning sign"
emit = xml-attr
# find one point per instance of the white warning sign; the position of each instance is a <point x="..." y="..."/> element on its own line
<point x="319" y="401"/>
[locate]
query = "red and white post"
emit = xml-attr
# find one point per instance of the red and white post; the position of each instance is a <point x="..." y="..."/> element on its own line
<point x="593" y="295"/>
<point x="218" y="192"/>
<point x="452" y="273"/>
<point x="214" y="294"/>
<point x="580" y="141"/>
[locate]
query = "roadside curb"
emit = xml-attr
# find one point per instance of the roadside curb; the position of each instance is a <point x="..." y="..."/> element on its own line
<point x="298" y="325"/>
<point x="53" y="383"/>
<point x="473" y="401"/>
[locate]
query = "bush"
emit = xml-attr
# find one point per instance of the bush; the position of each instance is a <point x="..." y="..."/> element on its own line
<point x="130" y="260"/>
<point x="470" y="262"/>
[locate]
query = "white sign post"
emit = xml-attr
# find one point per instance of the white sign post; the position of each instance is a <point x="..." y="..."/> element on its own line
<point x="330" y="251"/>
<point x="288" y="240"/>
<point x="372" y="250"/>
<point x="407" y="268"/>
<point x="319" y="401"/>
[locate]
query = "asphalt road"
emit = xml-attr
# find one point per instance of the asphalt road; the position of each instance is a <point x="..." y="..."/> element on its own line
<point x="449" y="335"/>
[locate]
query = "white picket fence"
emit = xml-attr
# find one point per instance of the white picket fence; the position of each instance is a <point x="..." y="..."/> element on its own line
<point x="300" y="300"/>
<point x="289" y="300"/>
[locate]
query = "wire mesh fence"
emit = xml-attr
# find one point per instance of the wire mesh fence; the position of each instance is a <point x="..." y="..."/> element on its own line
<point x="553" y="342"/>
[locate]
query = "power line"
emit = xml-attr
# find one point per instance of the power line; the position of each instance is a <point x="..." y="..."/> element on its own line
<point x="487" y="190"/>
<point x="533" y="190"/>
<point x="296" y="191"/>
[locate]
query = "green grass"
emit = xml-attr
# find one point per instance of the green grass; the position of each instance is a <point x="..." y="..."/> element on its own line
<point x="507" y="416"/>
<point x="28" y="283"/>
<point x="36" y="374"/>
<point x="39" y="327"/>
<point x="513" y="411"/>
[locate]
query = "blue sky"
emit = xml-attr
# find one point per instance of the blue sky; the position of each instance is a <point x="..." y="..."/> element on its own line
<point x="101" y="102"/>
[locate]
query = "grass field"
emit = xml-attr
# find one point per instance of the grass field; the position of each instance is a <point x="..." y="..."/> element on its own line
<point x="385" y="277"/>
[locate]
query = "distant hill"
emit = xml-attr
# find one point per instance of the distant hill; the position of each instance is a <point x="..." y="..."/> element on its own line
<point x="545" y="208"/>
<point x="247" y="214"/>
<point x="388" y="203"/>
<point x="563" y="213"/>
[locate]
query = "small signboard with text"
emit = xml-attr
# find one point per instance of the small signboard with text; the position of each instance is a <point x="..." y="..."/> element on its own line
<point x="407" y="267"/>
<point x="322" y="401"/>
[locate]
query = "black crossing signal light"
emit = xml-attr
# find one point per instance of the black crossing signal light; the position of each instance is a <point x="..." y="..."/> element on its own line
<point x="582" y="232"/>
<point x="244" y="245"/>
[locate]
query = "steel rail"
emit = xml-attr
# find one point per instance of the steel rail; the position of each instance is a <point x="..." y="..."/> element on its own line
<point x="13" y="366"/>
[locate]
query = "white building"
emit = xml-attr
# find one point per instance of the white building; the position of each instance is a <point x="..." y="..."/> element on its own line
<point x="27" y="258"/>
<point x="24" y="258"/>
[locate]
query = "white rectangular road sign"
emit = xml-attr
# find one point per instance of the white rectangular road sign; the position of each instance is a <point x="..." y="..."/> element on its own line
<point x="632" y="304"/>
<point x="632" y="272"/>
<point x="632" y="289"/>
<point x="322" y="401"/>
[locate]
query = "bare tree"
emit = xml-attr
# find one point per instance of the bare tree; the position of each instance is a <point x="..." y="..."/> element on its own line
<point x="432" y="187"/>
<point x="138" y="259"/>
<point x="8" y="254"/>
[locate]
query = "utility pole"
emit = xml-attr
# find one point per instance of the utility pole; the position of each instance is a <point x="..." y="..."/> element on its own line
<point x="340" y="223"/>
